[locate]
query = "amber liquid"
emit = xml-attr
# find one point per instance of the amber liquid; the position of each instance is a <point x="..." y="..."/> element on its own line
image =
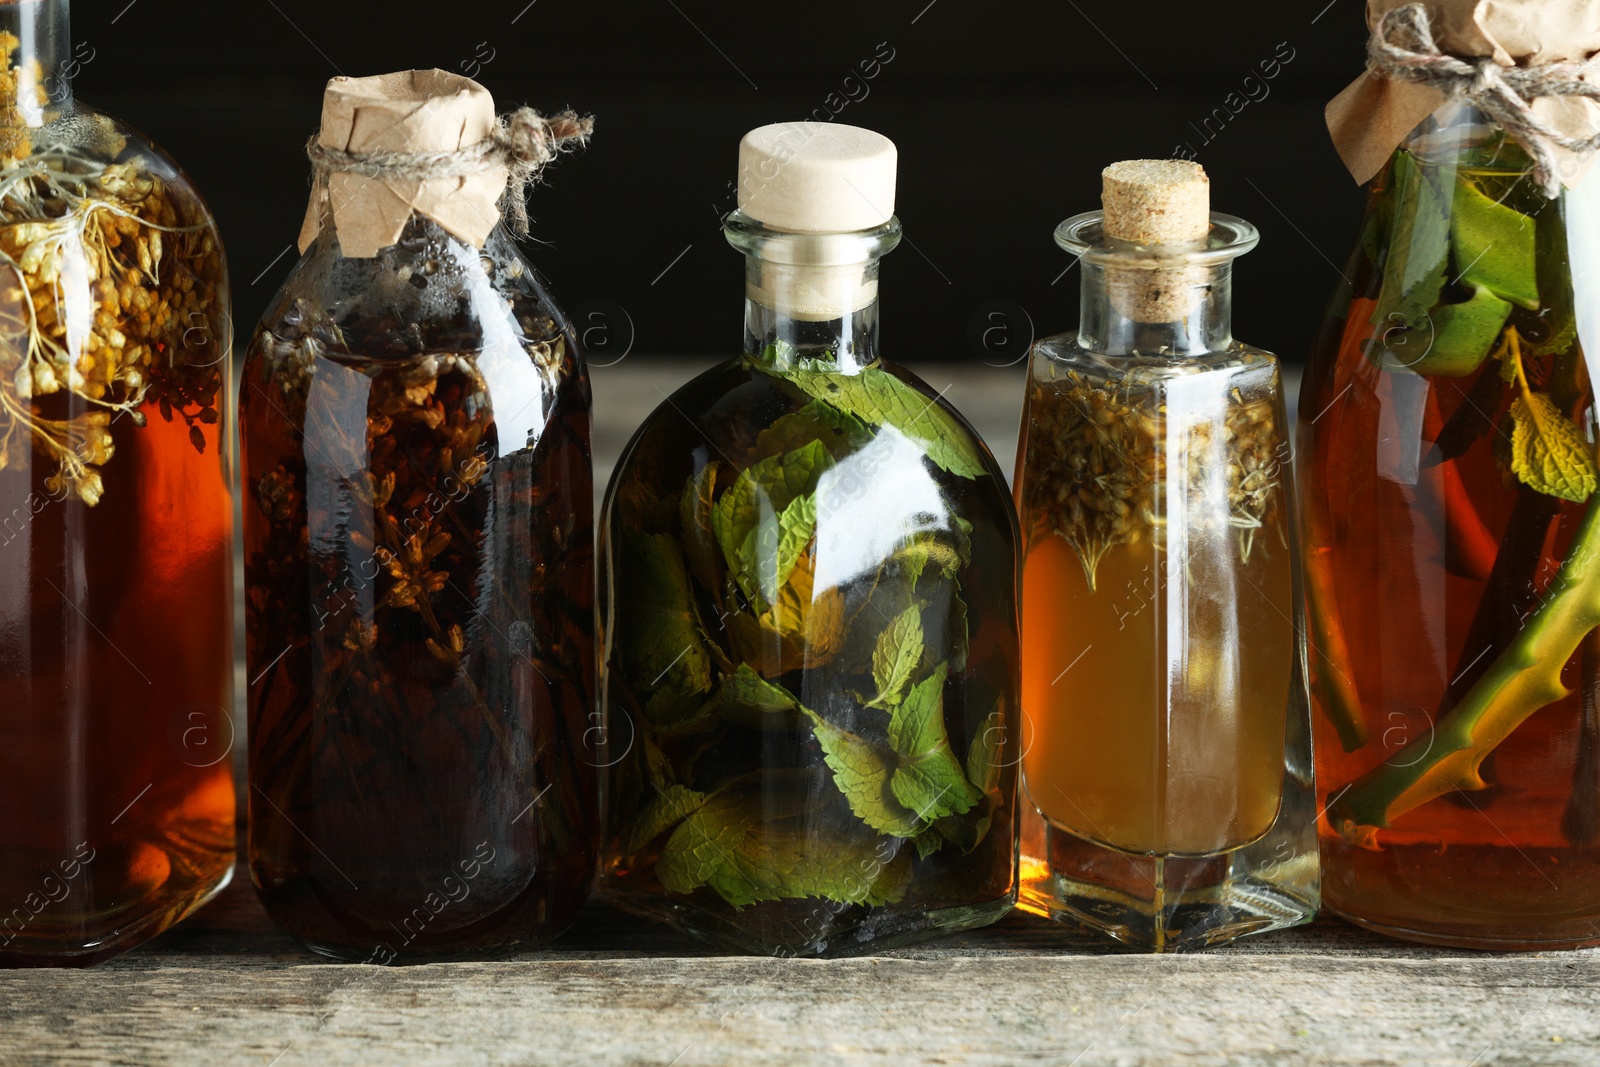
<point x="1155" y="701"/>
<point x="115" y="690"/>
<point x="1425" y="602"/>
<point x="406" y="801"/>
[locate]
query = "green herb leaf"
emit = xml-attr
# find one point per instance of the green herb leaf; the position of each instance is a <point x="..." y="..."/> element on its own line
<point x="747" y="699"/>
<point x="735" y="846"/>
<point x="877" y="397"/>
<point x="1548" y="451"/>
<point x="1494" y="243"/>
<point x="930" y="780"/>
<point x="661" y="638"/>
<point x="896" y="656"/>
<point x="695" y="511"/>
<point x="757" y="525"/>
<point x="983" y="757"/>
<point x="817" y="421"/>
<point x="1419" y="248"/>
<point x="928" y="842"/>
<point x="863" y="772"/>
<point x="666" y="809"/>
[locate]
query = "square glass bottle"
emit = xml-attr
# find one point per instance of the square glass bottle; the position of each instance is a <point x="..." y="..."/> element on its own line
<point x="1167" y="748"/>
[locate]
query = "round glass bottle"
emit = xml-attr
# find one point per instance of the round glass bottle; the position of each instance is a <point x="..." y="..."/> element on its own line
<point x="809" y="605"/>
<point x="1448" y="472"/>
<point x="420" y="583"/>
<point x="115" y="521"/>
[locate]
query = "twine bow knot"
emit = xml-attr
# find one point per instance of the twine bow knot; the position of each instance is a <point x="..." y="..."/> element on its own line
<point x="523" y="141"/>
<point x="1403" y="47"/>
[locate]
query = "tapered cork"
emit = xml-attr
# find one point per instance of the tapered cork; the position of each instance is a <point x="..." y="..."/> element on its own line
<point x="1156" y="201"/>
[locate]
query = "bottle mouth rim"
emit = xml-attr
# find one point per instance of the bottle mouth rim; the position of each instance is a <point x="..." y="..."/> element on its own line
<point x="1085" y="237"/>
<point x="755" y="238"/>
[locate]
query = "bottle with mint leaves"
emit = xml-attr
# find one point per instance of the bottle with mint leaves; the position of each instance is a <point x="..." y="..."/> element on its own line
<point x="809" y="607"/>
<point x="1447" y="460"/>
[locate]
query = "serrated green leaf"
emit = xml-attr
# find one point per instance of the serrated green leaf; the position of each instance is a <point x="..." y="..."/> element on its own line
<point x="966" y="832"/>
<point x="754" y="518"/>
<point x="734" y="846"/>
<point x="667" y="808"/>
<point x="929" y="779"/>
<point x="747" y="699"/>
<point x="927" y="843"/>
<point x="820" y="421"/>
<point x="661" y="640"/>
<point x="1548" y="451"/>
<point x="1419" y="248"/>
<point x="770" y="551"/>
<point x="895" y="657"/>
<point x="1494" y="244"/>
<point x="878" y="398"/>
<point x="863" y="772"/>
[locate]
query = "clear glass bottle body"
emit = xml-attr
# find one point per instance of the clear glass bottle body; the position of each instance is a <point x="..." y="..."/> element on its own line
<point x="420" y="611"/>
<point x="115" y="522"/>
<point x="809" y="605"/>
<point x="1167" y="761"/>
<point x="1455" y="671"/>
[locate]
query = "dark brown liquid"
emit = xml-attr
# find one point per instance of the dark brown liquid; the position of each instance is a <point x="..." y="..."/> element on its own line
<point x="421" y="654"/>
<point x="116" y="793"/>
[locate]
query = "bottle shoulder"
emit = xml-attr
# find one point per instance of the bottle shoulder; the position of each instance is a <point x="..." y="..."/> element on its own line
<point x="1063" y="357"/>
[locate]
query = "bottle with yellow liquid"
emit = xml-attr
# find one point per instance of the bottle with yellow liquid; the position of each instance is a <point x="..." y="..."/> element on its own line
<point x="1167" y="745"/>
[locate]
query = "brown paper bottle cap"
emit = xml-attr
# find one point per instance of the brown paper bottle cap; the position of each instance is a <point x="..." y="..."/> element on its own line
<point x="816" y="177"/>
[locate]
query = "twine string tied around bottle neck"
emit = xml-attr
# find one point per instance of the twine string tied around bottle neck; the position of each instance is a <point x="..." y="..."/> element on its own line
<point x="523" y="141"/>
<point x="1402" y="47"/>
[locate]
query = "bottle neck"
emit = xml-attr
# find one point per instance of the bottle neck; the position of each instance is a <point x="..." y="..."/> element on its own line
<point x="39" y="63"/>
<point x="825" y="313"/>
<point x="1170" y="311"/>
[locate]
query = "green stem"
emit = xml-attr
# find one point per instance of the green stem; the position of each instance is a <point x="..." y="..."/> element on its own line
<point x="1525" y="677"/>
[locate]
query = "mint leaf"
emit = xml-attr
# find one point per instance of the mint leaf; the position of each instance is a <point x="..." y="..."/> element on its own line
<point x="736" y="847"/>
<point x="929" y="780"/>
<point x="839" y="433"/>
<point x="983" y="756"/>
<point x="666" y="809"/>
<point x="661" y="642"/>
<point x="928" y="842"/>
<point x="695" y="511"/>
<point x="753" y="519"/>
<point x="878" y="398"/>
<point x="802" y="628"/>
<point x="895" y="657"/>
<point x="1419" y="248"/>
<point x="770" y="551"/>
<point x="747" y="699"/>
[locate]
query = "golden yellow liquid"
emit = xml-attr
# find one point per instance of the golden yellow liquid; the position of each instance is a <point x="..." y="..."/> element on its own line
<point x="1155" y="704"/>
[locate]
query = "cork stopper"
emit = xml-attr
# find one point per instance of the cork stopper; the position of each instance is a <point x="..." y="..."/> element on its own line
<point x="1156" y="201"/>
<point x="816" y="177"/>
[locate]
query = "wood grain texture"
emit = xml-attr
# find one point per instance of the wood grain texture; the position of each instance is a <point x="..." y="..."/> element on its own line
<point x="225" y="988"/>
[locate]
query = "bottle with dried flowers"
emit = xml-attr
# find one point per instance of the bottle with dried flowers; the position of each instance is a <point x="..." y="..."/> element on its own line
<point x="418" y="544"/>
<point x="1167" y="739"/>
<point x="115" y="521"/>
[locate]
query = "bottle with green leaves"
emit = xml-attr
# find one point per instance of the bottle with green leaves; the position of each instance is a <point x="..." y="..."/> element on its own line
<point x="809" y="607"/>
<point x="1452" y="534"/>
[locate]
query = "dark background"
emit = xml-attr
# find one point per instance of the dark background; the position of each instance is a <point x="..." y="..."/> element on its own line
<point x="1004" y="115"/>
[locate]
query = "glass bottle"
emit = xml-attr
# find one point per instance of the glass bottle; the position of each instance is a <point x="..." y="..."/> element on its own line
<point x="420" y="596"/>
<point x="1167" y="752"/>
<point x="809" y="605"/>
<point x="1447" y="457"/>
<point x="115" y="521"/>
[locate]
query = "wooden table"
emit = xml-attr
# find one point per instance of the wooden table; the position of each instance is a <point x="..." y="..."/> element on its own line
<point x="225" y="988"/>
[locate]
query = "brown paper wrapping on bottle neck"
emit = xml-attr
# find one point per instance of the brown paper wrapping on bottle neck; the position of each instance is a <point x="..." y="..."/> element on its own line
<point x="413" y="111"/>
<point x="1375" y="114"/>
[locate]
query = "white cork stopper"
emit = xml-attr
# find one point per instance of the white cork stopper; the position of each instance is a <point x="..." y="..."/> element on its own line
<point x="816" y="177"/>
<point x="1156" y="201"/>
